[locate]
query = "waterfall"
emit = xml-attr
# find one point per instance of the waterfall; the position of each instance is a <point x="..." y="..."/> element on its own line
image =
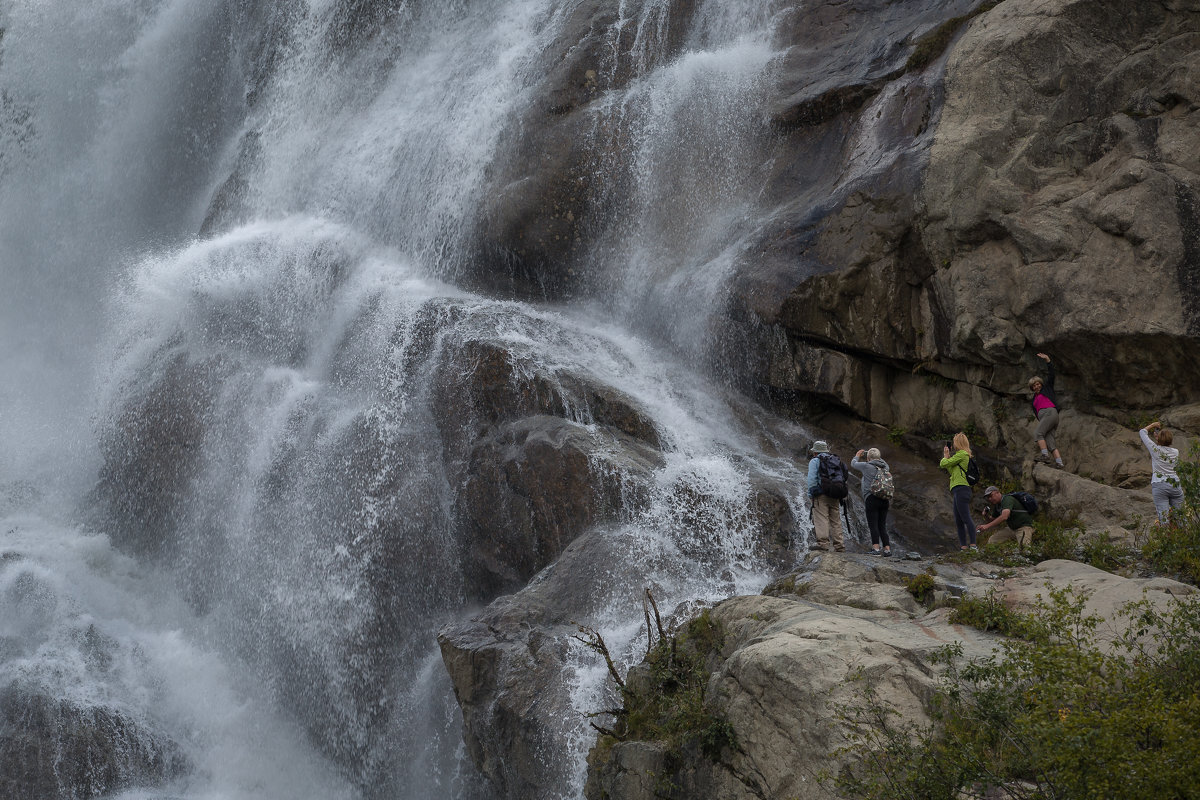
<point x="245" y="330"/>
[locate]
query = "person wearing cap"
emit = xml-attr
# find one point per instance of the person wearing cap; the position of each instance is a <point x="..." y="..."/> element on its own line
<point x="1008" y="509"/>
<point x="826" y="511"/>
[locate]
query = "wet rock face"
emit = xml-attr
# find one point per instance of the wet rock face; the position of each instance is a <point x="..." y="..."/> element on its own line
<point x="1053" y="213"/>
<point x="537" y="459"/>
<point x="55" y="750"/>
<point x="549" y="199"/>
<point x="471" y="471"/>
<point x="151" y="453"/>
<point x="528" y="492"/>
<point x="509" y="669"/>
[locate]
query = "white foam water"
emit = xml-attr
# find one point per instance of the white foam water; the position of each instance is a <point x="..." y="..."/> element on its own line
<point x="318" y="308"/>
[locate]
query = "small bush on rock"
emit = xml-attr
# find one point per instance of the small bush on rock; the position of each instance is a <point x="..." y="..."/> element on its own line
<point x="1064" y="712"/>
<point x="664" y="697"/>
<point x="921" y="585"/>
<point x="987" y="613"/>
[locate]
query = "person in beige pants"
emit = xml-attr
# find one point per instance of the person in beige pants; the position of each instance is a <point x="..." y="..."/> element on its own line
<point x="826" y="511"/>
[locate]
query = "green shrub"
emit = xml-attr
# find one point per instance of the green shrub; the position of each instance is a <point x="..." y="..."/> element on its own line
<point x="895" y="435"/>
<point x="1057" y="714"/>
<point x="1101" y="552"/>
<point x="1054" y="538"/>
<point x="988" y="613"/>
<point x="667" y="702"/>
<point x="921" y="585"/>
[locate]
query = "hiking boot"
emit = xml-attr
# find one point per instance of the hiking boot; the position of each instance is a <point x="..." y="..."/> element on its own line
<point x="886" y="553"/>
<point x="818" y="546"/>
<point x="839" y="549"/>
<point x="874" y="552"/>
<point x="1058" y="465"/>
<point x="1042" y="458"/>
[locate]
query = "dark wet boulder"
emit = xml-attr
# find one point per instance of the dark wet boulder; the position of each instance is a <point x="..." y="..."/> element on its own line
<point x="56" y="749"/>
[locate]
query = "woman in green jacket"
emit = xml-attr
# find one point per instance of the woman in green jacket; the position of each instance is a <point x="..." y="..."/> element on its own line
<point x="960" y="490"/>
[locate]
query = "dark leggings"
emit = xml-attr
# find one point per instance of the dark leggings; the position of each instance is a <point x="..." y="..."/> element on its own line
<point x="961" y="495"/>
<point x="877" y="509"/>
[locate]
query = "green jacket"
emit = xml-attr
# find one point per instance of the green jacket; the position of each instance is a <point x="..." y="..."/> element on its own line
<point x="956" y="465"/>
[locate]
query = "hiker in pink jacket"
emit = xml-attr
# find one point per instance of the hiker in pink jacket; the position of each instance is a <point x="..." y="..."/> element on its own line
<point x="1045" y="410"/>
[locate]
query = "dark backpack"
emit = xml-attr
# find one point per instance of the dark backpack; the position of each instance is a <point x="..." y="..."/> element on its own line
<point x="882" y="485"/>
<point x="831" y="476"/>
<point x="972" y="471"/>
<point x="1027" y="501"/>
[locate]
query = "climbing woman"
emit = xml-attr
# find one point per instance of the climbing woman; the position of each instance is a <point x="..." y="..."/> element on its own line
<point x="1045" y="411"/>
<point x="960" y="489"/>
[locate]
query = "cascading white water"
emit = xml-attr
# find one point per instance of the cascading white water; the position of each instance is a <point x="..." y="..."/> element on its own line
<point x="290" y="617"/>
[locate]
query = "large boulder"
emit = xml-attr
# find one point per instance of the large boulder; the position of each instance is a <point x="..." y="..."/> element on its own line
<point x="793" y="656"/>
<point x="510" y="669"/>
<point x="55" y="749"/>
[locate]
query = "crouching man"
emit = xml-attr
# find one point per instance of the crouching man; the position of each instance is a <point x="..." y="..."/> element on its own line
<point x="1007" y="509"/>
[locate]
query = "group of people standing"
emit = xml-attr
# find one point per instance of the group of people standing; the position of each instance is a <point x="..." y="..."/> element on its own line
<point x="827" y="494"/>
<point x="1009" y="510"/>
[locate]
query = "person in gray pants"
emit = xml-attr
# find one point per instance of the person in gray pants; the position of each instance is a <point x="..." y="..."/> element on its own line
<point x="1164" y="483"/>
<point x="1045" y="410"/>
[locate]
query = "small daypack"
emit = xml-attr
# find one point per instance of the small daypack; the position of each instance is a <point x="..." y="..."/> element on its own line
<point x="1027" y="501"/>
<point x="882" y="485"/>
<point x="831" y="476"/>
<point x="972" y="471"/>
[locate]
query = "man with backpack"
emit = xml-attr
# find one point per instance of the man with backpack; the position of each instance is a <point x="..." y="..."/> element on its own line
<point x="1014" y="509"/>
<point x="827" y="489"/>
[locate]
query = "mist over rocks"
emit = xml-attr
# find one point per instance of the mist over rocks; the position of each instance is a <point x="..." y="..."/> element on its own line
<point x="872" y="223"/>
<point x="53" y="749"/>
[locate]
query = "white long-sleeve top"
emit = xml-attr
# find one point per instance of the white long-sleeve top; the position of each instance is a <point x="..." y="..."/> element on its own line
<point x="1162" y="460"/>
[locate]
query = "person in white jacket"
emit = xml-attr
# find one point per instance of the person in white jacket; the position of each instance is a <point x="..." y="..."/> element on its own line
<point x="1164" y="483"/>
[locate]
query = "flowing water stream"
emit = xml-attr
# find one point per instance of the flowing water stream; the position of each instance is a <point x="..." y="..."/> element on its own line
<point x="278" y="625"/>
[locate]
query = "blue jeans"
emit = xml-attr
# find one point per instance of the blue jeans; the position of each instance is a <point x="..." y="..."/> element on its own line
<point x="961" y="495"/>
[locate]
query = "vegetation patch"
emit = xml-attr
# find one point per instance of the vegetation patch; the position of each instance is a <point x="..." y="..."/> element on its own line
<point x="664" y="698"/>
<point x="921" y="585"/>
<point x="975" y="436"/>
<point x="988" y="613"/>
<point x="1060" y="713"/>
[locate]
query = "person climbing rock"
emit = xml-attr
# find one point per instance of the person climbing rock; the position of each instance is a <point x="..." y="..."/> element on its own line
<point x="827" y="488"/>
<point x="1164" y="483"/>
<point x="1045" y="411"/>
<point x="1008" y="509"/>
<point x="960" y="488"/>
<point x="877" y="490"/>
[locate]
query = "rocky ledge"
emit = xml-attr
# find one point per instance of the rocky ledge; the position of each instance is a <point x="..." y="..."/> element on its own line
<point x="789" y="657"/>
